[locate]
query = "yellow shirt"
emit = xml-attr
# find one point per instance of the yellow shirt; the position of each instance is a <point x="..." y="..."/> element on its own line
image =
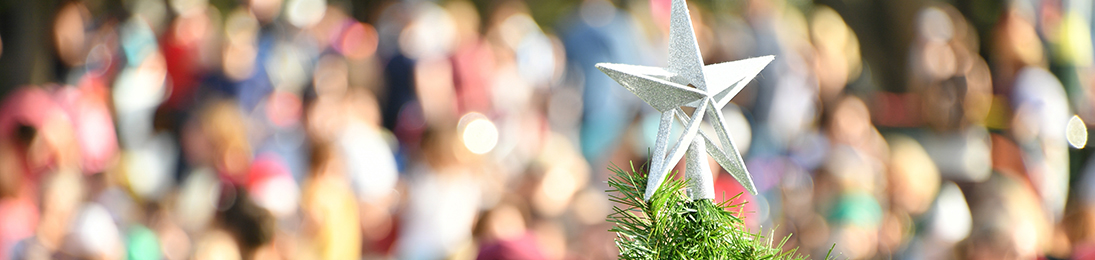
<point x="333" y="205"/>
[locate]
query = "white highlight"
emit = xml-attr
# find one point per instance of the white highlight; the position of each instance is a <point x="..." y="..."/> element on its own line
<point x="1077" y="132"/>
<point x="480" y="135"/>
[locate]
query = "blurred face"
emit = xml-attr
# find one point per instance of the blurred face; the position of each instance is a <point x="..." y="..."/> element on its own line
<point x="225" y="128"/>
<point x="331" y="76"/>
<point x="68" y="33"/>
<point x="851" y="122"/>
<point x="266" y="10"/>
<point x="241" y="30"/>
<point x="505" y="222"/>
<point x="837" y="51"/>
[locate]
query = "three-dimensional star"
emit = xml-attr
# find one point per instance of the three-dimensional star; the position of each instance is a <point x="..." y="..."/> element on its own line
<point x="689" y="83"/>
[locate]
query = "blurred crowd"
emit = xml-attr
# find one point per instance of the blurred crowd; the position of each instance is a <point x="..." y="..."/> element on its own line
<point x="454" y="129"/>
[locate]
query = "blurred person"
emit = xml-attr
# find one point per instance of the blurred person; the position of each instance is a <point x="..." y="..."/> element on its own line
<point x="1008" y="221"/>
<point x="1079" y="219"/>
<point x="786" y="105"/>
<point x="913" y="176"/>
<point x="472" y="60"/>
<point x="433" y="83"/>
<point x="278" y="127"/>
<point x="954" y="87"/>
<point x="221" y="141"/>
<point x="438" y="183"/>
<point x="251" y="45"/>
<point x="521" y="46"/>
<point x="141" y="85"/>
<point x="36" y="141"/>
<point x="947" y="71"/>
<point x="503" y="234"/>
<point x="1039" y="127"/>
<point x="852" y="180"/>
<point x="796" y="208"/>
<point x="70" y="36"/>
<point x="853" y="208"/>
<point x="357" y="42"/>
<point x="936" y="53"/>
<point x="372" y="164"/>
<point x="18" y="219"/>
<point x="326" y="117"/>
<point x="331" y="212"/>
<point x="429" y="39"/>
<point x="851" y="126"/>
<point x="786" y="110"/>
<point x="1016" y="44"/>
<point x="837" y="62"/>
<point x="1067" y="32"/>
<point x="42" y="134"/>
<point x="600" y="32"/>
<point x="373" y="170"/>
<point x="399" y="108"/>
<point x="524" y="73"/>
<point x="251" y="225"/>
<point x="60" y="201"/>
<point x="415" y="40"/>
<point x="559" y="196"/>
<point x="349" y="118"/>
<point x="563" y="176"/>
<point x="913" y="183"/>
<point x="288" y="64"/>
<point x="192" y="51"/>
<point x="149" y="156"/>
<point x="93" y="235"/>
<point x="241" y="32"/>
<point x="88" y="108"/>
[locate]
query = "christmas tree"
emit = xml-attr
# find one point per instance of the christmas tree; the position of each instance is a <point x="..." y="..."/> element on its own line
<point x="671" y="225"/>
<point x="658" y="217"/>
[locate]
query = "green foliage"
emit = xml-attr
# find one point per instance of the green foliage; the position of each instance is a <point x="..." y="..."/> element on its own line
<point x="672" y="226"/>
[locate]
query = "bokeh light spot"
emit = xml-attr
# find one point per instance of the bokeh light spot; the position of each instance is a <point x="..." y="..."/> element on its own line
<point x="479" y="133"/>
<point x="1077" y="133"/>
<point x="358" y="41"/>
<point x="305" y="13"/>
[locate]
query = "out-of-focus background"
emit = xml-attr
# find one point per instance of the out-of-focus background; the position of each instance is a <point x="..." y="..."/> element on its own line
<point x="378" y="129"/>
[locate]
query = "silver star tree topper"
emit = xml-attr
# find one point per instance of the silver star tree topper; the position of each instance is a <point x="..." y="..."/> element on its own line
<point x="689" y="83"/>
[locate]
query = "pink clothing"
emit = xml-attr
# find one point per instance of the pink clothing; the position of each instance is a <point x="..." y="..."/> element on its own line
<point x="523" y="247"/>
<point x="18" y="220"/>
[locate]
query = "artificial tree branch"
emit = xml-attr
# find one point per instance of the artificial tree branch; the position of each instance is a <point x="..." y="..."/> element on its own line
<point x="673" y="225"/>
